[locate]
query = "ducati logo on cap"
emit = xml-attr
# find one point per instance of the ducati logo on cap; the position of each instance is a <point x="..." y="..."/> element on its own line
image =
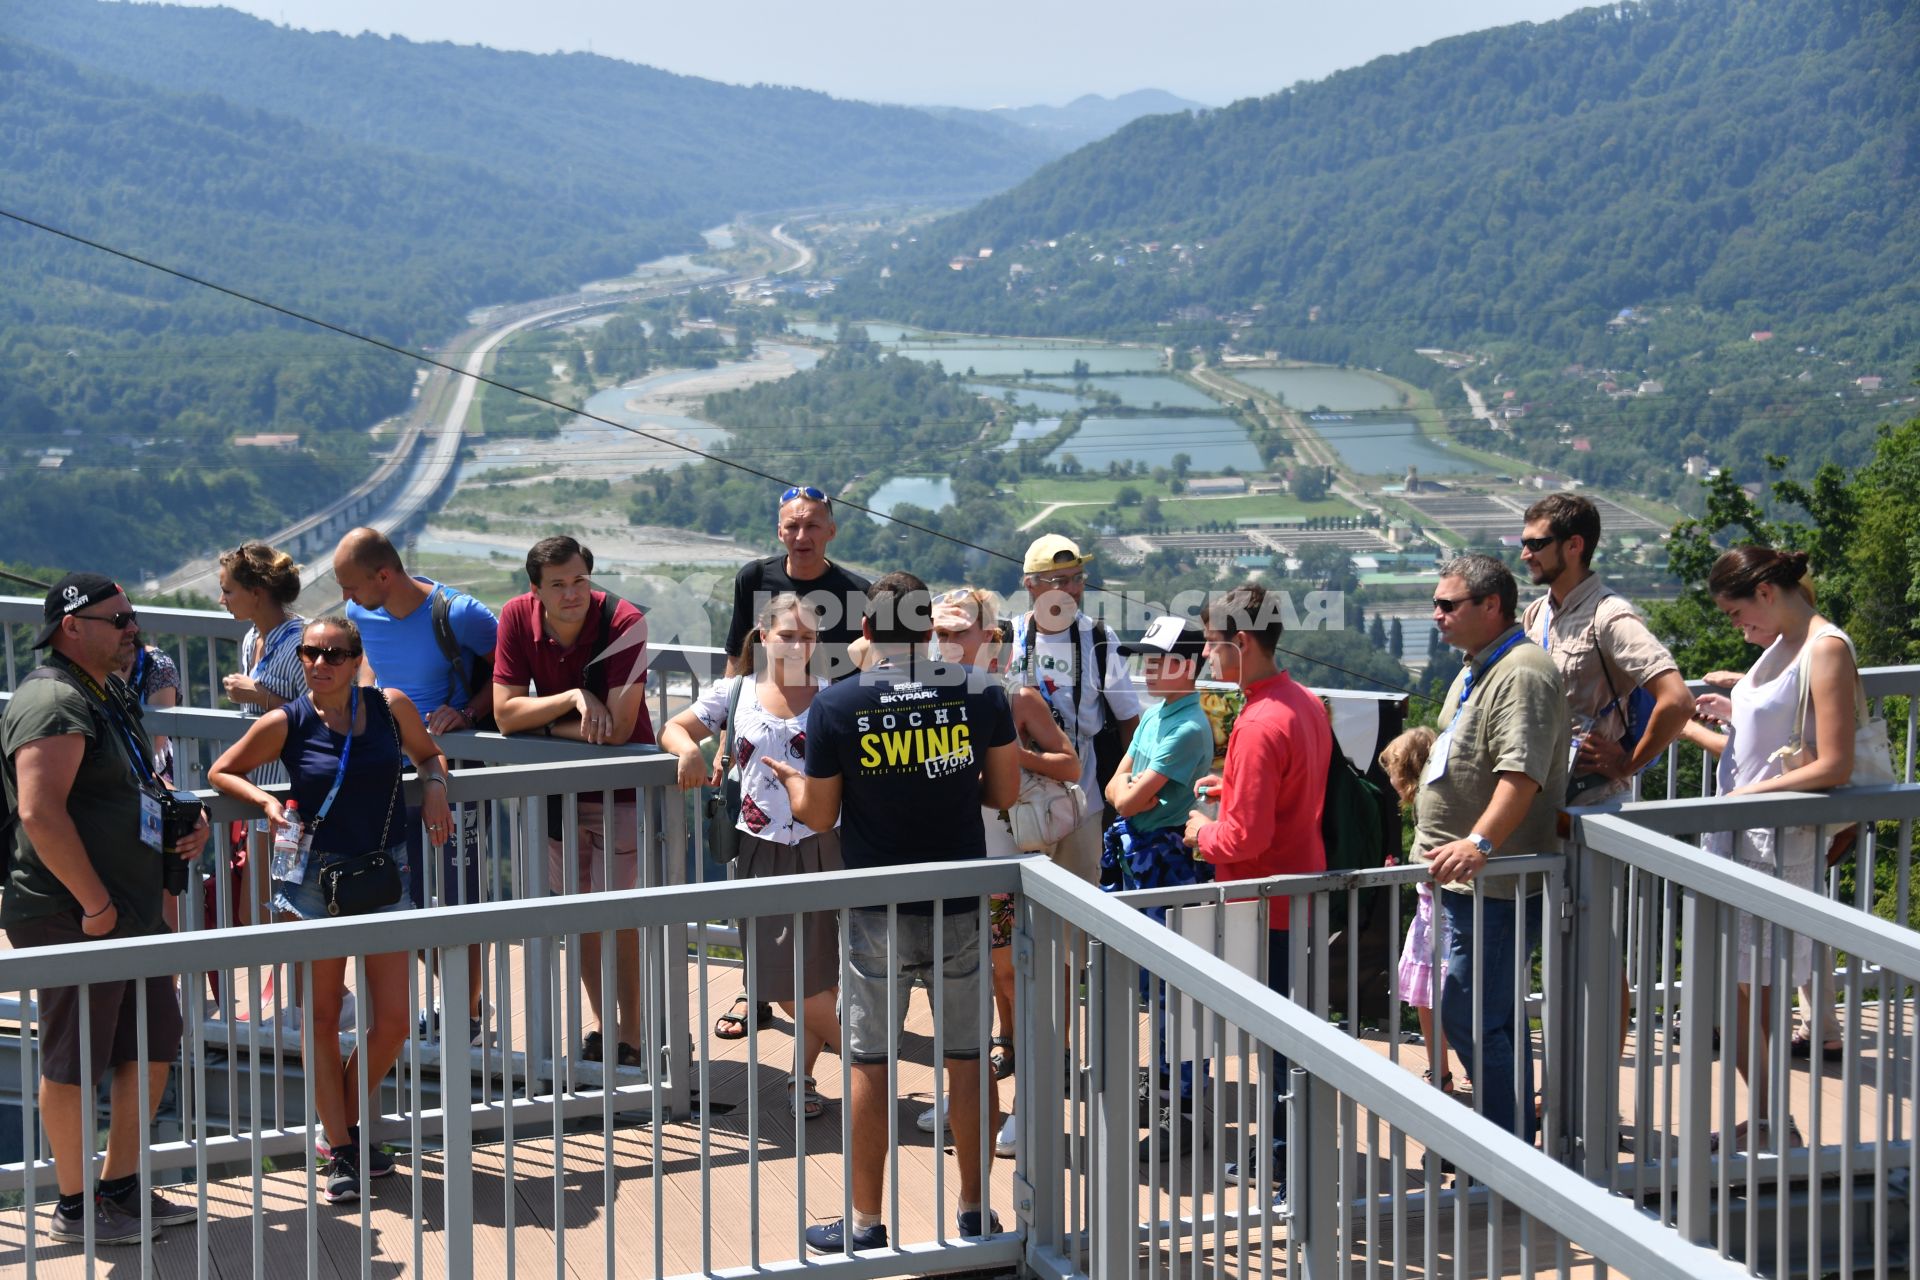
<point x="73" y="598"/>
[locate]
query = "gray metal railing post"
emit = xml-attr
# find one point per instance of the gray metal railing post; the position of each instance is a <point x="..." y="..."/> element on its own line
<point x="1595" y="952"/>
<point x="456" y="1098"/>
<point x="1116" y="1179"/>
<point x="1038" y="1054"/>
<point x="1700" y="958"/>
<point x="1314" y="1185"/>
<point x="539" y="951"/>
<point x="676" y="966"/>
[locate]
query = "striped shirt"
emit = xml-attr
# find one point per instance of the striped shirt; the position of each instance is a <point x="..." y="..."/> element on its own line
<point x="278" y="671"/>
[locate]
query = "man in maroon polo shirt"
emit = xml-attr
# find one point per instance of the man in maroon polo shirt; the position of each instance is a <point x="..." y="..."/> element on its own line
<point x="1274" y="783"/>
<point x="565" y="667"/>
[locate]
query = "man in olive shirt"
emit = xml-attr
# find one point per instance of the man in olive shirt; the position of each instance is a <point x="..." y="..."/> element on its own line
<point x="80" y="867"/>
<point x="1492" y="786"/>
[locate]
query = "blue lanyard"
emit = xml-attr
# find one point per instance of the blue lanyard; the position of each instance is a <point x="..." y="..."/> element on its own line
<point x="339" y="774"/>
<point x="137" y="763"/>
<point x="1466" y="688"/>
<point x="271" y="650"/>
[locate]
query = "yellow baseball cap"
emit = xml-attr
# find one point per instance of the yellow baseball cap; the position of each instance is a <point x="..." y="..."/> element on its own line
<point x="1051" y="552"/>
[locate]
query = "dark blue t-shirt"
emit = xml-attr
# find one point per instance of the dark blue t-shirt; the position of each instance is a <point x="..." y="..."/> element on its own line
<point x="908" y="750"/>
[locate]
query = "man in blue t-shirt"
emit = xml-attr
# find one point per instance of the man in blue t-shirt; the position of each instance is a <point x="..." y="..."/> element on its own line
<point x="904" y="756"/>
<point x="453" y="691"/>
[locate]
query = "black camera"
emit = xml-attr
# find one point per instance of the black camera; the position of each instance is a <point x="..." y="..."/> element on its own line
<point x="179" y="818"/>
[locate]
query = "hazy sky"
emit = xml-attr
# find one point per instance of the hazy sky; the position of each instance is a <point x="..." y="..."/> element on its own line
<point x="980" y="54"/>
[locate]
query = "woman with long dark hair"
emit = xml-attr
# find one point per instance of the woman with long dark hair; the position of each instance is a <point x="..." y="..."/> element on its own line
<point x="1765" y="592"/>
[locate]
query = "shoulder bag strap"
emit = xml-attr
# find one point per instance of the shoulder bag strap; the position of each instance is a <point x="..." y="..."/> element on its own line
<point x="399" y="765"/>
<point x="731" y="728"/>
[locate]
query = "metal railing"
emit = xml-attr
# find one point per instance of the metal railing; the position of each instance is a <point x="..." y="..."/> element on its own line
<point x="1811" y="1174"/>
<point x="1075" y="1202"/>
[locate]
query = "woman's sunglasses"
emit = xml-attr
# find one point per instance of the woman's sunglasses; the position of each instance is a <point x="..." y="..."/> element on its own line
<point x="333" y="655"/>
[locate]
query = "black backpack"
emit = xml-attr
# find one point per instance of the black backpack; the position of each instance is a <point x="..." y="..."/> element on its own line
<point x="469" y="675"/>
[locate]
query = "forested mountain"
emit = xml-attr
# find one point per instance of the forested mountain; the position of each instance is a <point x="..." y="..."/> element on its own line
<point x="628" y="139"/>
<point x="381" y="185"/>
<point x="1088" y="118"/>
<point x="1721" y="167"/>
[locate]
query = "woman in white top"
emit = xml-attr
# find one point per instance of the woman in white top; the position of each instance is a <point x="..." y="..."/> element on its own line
<point x="1765" y="593"/>
<point x="771" y="718"/>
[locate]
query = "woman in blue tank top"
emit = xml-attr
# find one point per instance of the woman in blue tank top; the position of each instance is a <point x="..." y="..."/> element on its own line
<point x="342" y="746"/>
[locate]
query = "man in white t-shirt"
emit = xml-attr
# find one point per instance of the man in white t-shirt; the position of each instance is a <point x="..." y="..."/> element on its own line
<point x="1077" y="665"/>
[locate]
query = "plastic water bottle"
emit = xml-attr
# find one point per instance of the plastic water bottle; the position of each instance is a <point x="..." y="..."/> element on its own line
<point x="289" y="855"/>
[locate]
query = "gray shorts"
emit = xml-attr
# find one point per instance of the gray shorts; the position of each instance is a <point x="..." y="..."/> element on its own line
<point x="868" y="965"/>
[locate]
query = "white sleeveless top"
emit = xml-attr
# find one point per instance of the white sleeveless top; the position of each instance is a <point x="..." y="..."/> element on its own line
<point x="1764" y="705"/>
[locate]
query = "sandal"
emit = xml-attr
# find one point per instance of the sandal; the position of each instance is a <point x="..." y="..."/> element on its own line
<point x="1803" y="1048"/>
<point x="590" y="1047"/>
<point x="732" y="1025"/>
<point x="627" y="1055"/>
<point x="808" y="1101"/>
<point x="1446" y="1081"/>
<point x="1001" y="1059"/>
<point x="1763" y="1133"/>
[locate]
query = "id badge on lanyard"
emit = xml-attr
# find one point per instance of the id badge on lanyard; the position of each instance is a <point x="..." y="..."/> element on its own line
<point x="150" y="825"/>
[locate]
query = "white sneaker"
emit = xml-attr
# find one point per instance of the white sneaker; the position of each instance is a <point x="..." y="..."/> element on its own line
<point x="1003" y="1144"/>
<point x="927" y="1120"/>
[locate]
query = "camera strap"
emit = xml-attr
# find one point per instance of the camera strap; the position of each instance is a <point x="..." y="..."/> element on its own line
<point x="346" y="750"/>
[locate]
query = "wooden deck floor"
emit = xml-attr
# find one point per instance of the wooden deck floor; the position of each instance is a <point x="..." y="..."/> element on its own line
<point x="752" y="1212"/>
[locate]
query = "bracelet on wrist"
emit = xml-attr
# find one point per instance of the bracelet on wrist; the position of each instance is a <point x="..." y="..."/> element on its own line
<point x="434" y="777"/>
<point x="94" y="915"/>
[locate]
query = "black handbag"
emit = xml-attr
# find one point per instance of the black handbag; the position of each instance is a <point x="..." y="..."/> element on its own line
<point x="367" y="882"/>
<point x="723" y="802"/>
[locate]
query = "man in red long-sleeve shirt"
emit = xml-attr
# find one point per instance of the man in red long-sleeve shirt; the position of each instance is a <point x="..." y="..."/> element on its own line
<point x="1274" y="784"/>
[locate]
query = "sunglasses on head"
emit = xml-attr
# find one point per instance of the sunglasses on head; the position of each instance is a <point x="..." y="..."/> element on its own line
<point x="1445" y="605"/>
<point x="118" y="621"/>
<point x="1537" y="545"/>
<point x="333" y="655"/>
<point x="802" y="491"/>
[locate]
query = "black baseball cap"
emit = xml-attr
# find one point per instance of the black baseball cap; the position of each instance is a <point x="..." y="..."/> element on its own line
<point x="1169" y="634"/>
<point x="69" y="596"/>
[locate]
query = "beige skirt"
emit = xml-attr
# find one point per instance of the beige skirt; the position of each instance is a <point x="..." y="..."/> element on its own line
<point x="773" y="936"/>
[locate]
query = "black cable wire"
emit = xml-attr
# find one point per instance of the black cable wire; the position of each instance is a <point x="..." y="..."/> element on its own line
<point x="569" y="409"/>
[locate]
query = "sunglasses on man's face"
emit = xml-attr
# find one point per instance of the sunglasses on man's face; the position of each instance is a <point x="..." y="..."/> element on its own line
<point x="333" y="655"/>
<point x="1537" y="545"/>
<point x="1061" y="581"/>
<point x="118" y="621"/>
<point x="1445" y="605"/>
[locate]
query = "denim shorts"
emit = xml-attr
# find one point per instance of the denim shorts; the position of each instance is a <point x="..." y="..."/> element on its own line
<point x="306" y="901"/>
<point x="865" y="992"/>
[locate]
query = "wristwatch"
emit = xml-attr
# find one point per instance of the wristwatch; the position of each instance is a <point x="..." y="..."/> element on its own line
<point x="1480" y="842"/>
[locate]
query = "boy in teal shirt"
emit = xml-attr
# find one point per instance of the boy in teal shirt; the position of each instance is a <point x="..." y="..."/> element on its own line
<point x="1152" y="791"/>
<point x="1172" y="748"/>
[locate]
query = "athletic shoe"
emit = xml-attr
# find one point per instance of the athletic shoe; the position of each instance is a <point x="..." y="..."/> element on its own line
<point x="111" y="1225"/>
<point x="831" y="1237"/>
<point x="1003" y="1144"/>
<point x="927" y="1119"/>
<point x="343" y="1175"/>
<point x="1175" y="1126"/>
<point x="164" y="1212"/>
<point x="969" y="1224"/>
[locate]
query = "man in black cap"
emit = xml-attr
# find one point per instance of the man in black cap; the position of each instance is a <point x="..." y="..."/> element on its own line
<point x="84" y="861"/>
